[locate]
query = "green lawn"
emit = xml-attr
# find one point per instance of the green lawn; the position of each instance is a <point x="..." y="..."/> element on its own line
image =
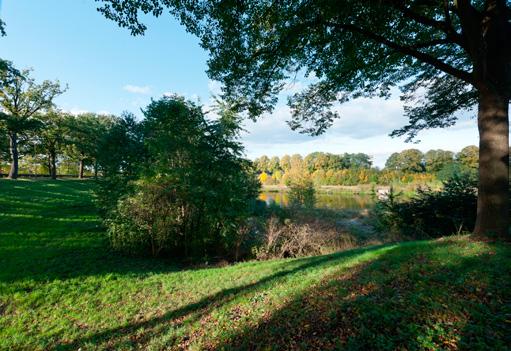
<point x="62" y="288"/>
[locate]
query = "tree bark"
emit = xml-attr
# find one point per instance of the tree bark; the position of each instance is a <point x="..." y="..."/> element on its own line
<point x="53" y="165"/>
<point x="95" y="169"/>
<point x="80" y="169"/>
<point x="493" y="192"/>
<point x="48" y="164"/>
<point x="13" y="148"/>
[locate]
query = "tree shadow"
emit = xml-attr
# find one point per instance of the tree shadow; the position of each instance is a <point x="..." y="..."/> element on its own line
<point x="404" y="300"/>
<point x="113" y="337"/>
<point x="50" y="230"/>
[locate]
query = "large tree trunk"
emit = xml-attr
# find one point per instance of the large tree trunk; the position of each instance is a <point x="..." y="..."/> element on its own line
<point x="493" y="197"/>
<point x="13" y="148"/>
<point x="80" y="170"/>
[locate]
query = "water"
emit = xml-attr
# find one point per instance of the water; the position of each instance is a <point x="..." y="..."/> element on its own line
<point x="324" y="200"/>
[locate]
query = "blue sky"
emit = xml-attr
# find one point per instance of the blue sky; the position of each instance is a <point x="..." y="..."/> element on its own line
<point x="109" y="71"/>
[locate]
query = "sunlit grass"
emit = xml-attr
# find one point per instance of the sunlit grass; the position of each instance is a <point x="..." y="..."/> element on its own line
<point x="62" y="288"/>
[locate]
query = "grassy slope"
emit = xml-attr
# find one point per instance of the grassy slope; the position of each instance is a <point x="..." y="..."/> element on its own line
<point x="60" y="287"/>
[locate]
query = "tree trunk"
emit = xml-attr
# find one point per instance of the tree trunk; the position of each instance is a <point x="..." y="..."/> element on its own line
<point x="493" y="197"/>
<point x="48" y="164"/>
<point x="95" y="169"/>
<point x="53" y="165"/>
<point x="80" y="169"/>
<point x="13" y="148"/>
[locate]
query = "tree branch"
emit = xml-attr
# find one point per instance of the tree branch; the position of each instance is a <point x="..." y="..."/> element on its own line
<point x="430" y="43"/>
<point x="407" y="50"/>
<point x="444" y="26"/>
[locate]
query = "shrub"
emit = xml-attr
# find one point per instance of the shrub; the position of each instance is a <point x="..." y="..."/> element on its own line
<point x="192" y="193"/>
<point x="281" y="240"/>
<point x="432" y="213"/>
<point x="145" y="221"/>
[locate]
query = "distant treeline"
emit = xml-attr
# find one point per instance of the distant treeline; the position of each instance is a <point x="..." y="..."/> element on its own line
<point x="407" y="166"/>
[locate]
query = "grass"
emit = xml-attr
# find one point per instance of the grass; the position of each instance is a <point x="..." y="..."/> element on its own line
<point x="62" y="288"/>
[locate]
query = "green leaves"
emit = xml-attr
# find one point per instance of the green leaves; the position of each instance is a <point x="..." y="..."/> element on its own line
<point x="360" y="49"/>
<point x="192" y="189"/>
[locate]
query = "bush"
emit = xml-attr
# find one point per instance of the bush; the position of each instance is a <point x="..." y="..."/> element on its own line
<point x="432" y="213"/>
<point x="281" y="240"/>
<point x="145" y="221"/>
<point x="192" y="193"/>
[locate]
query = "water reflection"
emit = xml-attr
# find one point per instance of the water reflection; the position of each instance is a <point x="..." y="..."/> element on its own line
<point x="324" y="200"/>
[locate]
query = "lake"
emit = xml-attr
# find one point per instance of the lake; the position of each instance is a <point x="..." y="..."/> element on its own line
<point x="332" y="200"/>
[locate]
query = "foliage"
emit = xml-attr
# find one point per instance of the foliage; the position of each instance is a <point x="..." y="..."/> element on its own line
<point x="21" y="99"/>
<point x="442" y="55"/>
<point x="193" y="189"/>
<point x="86" y="136"/>
<point x="469" y="156"/>
<point x="120" y="154"/>
<point x="50" y="138"/>
<point x="360" y="49"/>
<point x="62" y="287"/>
<point x="436" y="160"/>
<point x="408" y="161"/>
<point x="432" y="213"/>
<point x="302" y="193"/>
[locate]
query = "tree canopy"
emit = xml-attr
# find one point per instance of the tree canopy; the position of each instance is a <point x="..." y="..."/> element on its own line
<point x="445" y="57"/>
<point x="362" y="48"/>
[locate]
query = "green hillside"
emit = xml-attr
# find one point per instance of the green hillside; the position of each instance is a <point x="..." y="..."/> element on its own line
<point x="62" y="288"/>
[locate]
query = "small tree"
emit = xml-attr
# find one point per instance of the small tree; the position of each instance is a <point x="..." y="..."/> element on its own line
<point x="21" y="99"/>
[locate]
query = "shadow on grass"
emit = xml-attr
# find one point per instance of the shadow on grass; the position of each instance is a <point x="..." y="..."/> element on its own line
<point x="50" y="230"/>
<point x="410" y="298"/>
<point x="154" y="327"/>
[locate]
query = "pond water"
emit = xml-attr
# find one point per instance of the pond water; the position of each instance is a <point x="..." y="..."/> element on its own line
<point x="332" y="200"/>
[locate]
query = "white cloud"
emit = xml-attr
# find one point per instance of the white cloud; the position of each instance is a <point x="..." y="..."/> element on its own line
<point x="364" y="126"/>
<point x="135" y="89"/>
<point x="76" y="111"/>
<point x="214" y="87"/>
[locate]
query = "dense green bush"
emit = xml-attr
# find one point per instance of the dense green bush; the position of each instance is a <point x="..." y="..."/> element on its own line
<point x="192" y="192"/>
<point x="432" y="213"/>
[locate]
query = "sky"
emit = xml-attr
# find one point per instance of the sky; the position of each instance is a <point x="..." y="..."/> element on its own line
<point x="109" y="71"/>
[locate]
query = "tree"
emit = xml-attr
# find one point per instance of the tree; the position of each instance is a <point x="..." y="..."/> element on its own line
<point x="263" y="163"/>
<point x="410" y="161"/>
<point x="359" y="160"/>
<point x="51" y="137"/>
<point x="85" y="134"/>
<point x="469" y="156"/>
<point x="21" y="99"/>
<point x="392" y="162"/>
<point x="435" y="160"/>
<point x="285" y="163"/>
<point x="446" y="56"/>
<point x="274" y="164"/>
<point x="296" y="162"/>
